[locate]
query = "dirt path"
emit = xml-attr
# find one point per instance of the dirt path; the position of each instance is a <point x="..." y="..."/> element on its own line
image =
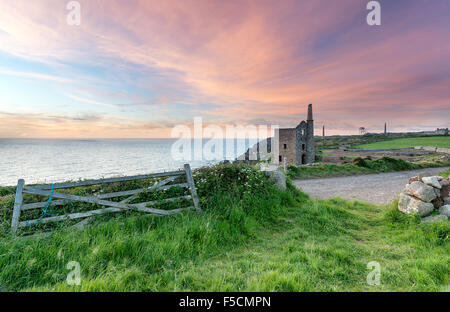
<point x="379" y="188"/>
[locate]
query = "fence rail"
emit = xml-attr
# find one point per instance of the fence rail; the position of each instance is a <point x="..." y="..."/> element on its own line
<point x="102" y="199"/>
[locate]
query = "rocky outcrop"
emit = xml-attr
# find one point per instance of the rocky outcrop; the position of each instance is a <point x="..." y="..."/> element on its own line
<point x="425" y="195"/>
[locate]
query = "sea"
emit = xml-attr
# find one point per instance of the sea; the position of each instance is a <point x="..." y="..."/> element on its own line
<point x="59" y="160"/>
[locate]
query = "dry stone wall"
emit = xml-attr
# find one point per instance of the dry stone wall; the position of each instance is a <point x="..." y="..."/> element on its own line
<point x="428" y="197"/>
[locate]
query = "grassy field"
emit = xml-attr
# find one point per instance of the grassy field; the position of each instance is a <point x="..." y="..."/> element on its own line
<point x="435" y="141"/>
<point x="251" y="237"/>
<point x="347" y="141"/>
<point x="359" y="166"/>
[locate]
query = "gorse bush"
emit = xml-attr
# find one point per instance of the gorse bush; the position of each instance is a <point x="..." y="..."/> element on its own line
<point x="235" y="179"/>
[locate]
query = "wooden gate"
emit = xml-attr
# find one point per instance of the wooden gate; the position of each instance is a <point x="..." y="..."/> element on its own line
<point x="102" y="199"/>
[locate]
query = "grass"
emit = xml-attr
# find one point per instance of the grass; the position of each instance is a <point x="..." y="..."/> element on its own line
<point x="445" y="173"/>
<point x="347" y="141"/>
<point x="359" y="166"/>
<point x="435" y="141"/>
<point x="264" y="240"/>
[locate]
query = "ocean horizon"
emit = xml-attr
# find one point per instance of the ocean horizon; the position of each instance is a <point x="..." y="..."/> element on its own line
<point x="58" y="160"/>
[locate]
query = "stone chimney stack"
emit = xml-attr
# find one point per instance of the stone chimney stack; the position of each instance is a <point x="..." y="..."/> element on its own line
<point x="310" y="150"/>
<point x="310" y="114"/>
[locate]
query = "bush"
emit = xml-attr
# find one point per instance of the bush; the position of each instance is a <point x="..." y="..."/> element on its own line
<point x="318" y="156"/>
<point x="233" y="179"/>
<point x="391" y="164"/>
<point x="360" y="162"/>
<point x="4" y="191"/>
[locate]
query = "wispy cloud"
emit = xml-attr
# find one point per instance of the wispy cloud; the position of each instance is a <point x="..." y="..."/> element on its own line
<point x="167" y="61"/>
<point x="35" y="76"/>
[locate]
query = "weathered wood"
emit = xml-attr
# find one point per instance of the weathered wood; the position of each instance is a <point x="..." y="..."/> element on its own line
<point x="82" y="224"/>
<point x="162" y="201"/>
<point x="86" y="199"/>
<point x="105" y="196"/>
<point x="190" y="181"/>
<point x="109" y="180"/>
<point x="17" y="206"/>
<point x="118" y="194"/>
<point x="166" y="187"/>
<point x="44" y="204"/>
<point x="97" y="212"/>
<point x="152" y="188"/>
<point x="93" y="200"/>
<point x="162" y="212"/>
<point x="71" y="216"/>
<point x="110" y="206"/>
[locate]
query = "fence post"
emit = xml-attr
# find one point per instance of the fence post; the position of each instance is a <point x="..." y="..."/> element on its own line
<point x="190" y="181"/>
<point x="17" y="206"/>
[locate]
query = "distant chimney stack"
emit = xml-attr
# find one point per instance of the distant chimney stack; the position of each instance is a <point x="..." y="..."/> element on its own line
<point x="310" y="113"/>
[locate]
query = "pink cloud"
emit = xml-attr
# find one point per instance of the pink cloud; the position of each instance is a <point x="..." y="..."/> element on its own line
<point x="257" y="59"/>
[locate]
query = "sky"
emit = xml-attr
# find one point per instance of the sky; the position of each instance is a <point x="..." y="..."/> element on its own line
<point x="138" y="68"/>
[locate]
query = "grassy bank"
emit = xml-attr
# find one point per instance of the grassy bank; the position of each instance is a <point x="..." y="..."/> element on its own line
<point x="435" y="141"/>
<point x="251" y="237"/>
<point x="359" y="166"/>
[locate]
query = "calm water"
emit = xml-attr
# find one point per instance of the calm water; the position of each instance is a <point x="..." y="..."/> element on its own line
<point x="48" y="161"/>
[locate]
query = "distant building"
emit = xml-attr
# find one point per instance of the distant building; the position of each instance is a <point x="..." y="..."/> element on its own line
<point x="297" y="144"/>
<point x="442" y="131"/>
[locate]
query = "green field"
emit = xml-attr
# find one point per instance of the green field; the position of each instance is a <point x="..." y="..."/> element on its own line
<point x="437" y="141"/>
<point x="360" y="166"/>
<point x="250" y="237"/>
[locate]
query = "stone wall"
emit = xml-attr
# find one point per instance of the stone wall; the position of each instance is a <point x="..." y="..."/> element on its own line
<point x="428" y="197"/>
<point x="287" y="147"/>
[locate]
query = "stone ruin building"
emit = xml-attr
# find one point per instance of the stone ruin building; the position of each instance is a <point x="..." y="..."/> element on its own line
<point x="297" y="144"/>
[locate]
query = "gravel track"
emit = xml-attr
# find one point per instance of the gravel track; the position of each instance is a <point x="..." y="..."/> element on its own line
<point x="381" y="188"/>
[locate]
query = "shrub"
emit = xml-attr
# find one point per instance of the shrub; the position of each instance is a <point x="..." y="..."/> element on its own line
<point x="391" y="164"/>
<point x="230" y="178"/>
<point x="4" y="191"/>
<point x="360" y="162"/>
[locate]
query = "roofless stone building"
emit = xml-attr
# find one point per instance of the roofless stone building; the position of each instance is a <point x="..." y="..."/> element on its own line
<point x="294" y="144"/>
<point x="297" y="144"/>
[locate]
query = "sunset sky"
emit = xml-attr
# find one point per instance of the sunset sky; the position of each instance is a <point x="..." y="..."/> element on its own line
<point x="136" y="68"/>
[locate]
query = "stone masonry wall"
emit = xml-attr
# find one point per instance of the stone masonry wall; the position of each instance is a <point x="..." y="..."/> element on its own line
<point x="287" y="138"/>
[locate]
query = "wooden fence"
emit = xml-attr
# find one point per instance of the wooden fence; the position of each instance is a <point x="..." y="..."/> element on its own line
<point x="102" y="199"/>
